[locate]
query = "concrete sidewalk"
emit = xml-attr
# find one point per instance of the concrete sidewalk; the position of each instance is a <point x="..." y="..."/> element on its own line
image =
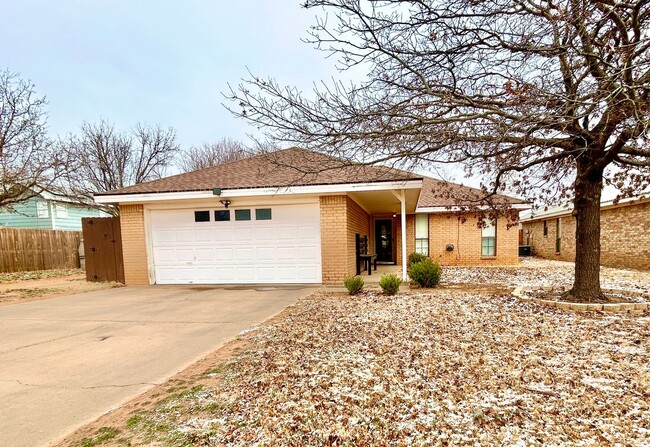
<point x="67" y="360"/>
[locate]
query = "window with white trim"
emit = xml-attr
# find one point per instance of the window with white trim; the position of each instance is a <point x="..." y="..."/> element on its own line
<point x="422" y="234"/>
<point x="61" y="211"/>
<point x="489" y="238"/>
<point x="558" y="236"/>
<point x="42" y="210"/>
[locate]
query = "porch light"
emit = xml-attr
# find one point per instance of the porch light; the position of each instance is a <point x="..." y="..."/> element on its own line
<point x="225" y="203"/>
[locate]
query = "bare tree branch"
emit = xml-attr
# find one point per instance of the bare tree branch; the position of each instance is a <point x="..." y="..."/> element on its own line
<point x="27" y="162"/>
<point x="105" y="159"/>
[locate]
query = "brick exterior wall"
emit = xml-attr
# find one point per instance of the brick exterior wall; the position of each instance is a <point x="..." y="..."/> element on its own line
<point x="340" y="219"/>
<point x="134" y="247"/>
<point x="624" y="237"/>
<point x="544" y="246"/>
<point x="447" y="228"/>
<point x="358" y="221"/>
<point x="333" y="235"/>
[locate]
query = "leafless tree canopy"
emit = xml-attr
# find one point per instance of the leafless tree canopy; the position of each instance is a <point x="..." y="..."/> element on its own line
<point x="27" y="162"/>
<point x="210" y="154"/>
<point x="549" y="99"/>
<point x="106" y="158"/>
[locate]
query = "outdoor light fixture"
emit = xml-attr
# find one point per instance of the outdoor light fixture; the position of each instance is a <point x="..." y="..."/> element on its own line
<point x="225" y="203"/>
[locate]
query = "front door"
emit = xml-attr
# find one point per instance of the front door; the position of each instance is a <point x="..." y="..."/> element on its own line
<point x="384" y="240"/>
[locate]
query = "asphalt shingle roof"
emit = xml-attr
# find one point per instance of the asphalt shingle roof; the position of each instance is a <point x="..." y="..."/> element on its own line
<point x="288" y="167"/>
<point x="301" y="167"/>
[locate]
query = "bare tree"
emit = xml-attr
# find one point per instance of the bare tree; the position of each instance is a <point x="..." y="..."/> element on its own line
<point x="548" y="99"/>
<point x="106" y="159"/>
<point x="27" y="162"/>
<point x="210" y="154"/>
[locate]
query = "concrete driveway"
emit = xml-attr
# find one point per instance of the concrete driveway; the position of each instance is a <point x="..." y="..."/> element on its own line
<point x="67" y="360"/>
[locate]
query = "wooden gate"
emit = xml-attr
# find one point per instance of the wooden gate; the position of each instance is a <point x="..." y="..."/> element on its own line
<point x="103" y="249"/>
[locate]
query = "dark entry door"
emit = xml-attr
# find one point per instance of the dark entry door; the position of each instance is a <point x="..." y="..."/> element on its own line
<point x="384" y="240"/>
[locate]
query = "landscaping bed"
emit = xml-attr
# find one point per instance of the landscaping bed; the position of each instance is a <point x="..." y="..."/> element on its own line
<point x="441" y="367"/>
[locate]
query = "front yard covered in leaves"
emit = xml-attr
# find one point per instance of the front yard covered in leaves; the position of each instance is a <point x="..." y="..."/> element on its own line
<point x="439" y="367"/>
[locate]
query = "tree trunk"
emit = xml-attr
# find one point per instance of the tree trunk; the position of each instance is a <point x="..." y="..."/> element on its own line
<point x="588" y="188"/>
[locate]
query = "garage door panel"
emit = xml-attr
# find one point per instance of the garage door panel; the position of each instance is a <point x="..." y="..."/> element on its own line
<point x="266" y="274"/>
<point x="243" y="234"/>
<point x="205" y="274"/>
<point x="284" y="249"/>
<point x="308" y="271"/>
<point x="265" y="253"/>
<point x="242" y="253"/>
<point x="223" y="234"/>
<point x="187" y="274"/>
<point x="204" y="235"/>
<point x="163" y="237"/>
<point x="222" y="275"/>
<point x="287" y="253"/>
<point x="185" y="255"/>
<point x="308" y="253"/>
<point x="285" y="233"/>
<point x="165" y="255"/>
<point x="224" y="254"/>
<point x="306" y="232"/>
<point x="184" y="236"/>
<point x="204" y="254"/>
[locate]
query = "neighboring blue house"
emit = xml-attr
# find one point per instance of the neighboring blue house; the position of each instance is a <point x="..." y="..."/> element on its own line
<point x="47" y="211"/>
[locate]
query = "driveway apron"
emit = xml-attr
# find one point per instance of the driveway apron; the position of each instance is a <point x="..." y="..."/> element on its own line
<point x="68" y="360"/>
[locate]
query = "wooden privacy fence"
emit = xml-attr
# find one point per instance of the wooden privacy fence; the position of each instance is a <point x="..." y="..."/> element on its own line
<point x="25" y="249"/>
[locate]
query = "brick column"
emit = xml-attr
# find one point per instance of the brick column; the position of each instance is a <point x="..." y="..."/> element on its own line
<point x="333" y="231"/>
<point x="134" y="247"/>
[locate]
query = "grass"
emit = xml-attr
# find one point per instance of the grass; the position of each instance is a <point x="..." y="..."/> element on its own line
<point x="31" y="292"/>
<point x="39" y="274"/>
<point x="102" y="435"/>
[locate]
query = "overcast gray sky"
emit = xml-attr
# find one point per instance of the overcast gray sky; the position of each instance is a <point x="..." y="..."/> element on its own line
<point x="163" y="62"/>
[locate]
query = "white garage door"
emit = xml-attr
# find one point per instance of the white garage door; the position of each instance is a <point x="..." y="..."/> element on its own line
<point x="250" y="245"/>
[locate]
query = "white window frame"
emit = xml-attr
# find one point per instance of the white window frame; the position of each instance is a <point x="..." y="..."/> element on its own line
<point x="491" y="230"/>
<point x="61" y="210"/>
<point x="42" y="210"/>
<point x="422" y="237"/>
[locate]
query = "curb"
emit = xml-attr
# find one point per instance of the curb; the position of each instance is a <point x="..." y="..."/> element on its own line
<point x="632" y="308"/>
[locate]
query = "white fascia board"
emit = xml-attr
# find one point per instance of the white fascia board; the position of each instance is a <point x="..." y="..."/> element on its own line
<point x="445" y="209"/>
<point x="553" y="215"/>
<point x="250" y="192"/>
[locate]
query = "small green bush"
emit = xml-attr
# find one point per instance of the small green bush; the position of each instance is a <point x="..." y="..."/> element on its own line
<point x="390" y="283"/>
<point x="426" y="273"/>
<point x="354" y="284"/>
<point x="414" y="258"/>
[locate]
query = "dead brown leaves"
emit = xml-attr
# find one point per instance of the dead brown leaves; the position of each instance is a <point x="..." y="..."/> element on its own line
<point x="441" y="368"/>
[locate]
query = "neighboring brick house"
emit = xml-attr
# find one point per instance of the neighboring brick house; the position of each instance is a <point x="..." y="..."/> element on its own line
<point x="291" y="216"/>
<point x="624" y="233"/>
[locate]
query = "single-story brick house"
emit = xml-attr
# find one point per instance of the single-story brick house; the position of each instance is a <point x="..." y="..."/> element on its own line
<point x="291" y="216"/>
<point x="624" y="233"/>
